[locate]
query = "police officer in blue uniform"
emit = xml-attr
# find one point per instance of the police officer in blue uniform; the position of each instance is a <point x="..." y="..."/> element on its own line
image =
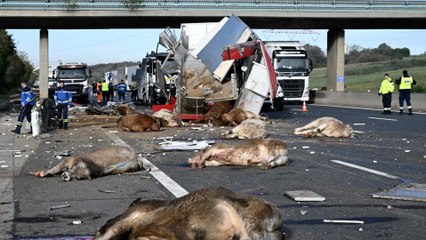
<point x="63" y="99"/>
<point x="121" y="88"/>
<point x="27" y="102"/>
<point x="405" y="84"/>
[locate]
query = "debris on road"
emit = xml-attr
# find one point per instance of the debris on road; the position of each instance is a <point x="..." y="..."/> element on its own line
<point x="410" y="192"/>
<point x="303" y="212"/>
<point x="305" y="147"/>
<point x="343" y="221"/>
<point x="4" y="166"/>
<point x="65" y="153"/>
<point x="304" y="196"/>
<point x="59" y="207"/>
<point x="185" y="146"/>
<point x="359" y="124"/>
<point x="106" y="191"/>
<point x="407" y="150"/>
<point x="77" y="222"/>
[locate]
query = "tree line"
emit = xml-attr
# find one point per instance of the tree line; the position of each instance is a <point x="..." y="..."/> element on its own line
<point x="14" y="66"/>
<point x="357" y="54"/>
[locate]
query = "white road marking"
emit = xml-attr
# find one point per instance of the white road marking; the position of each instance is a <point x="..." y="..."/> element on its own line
<point x="380" y="173"/>
<point x="354" y="131"/>
<point x="385" y="119"/>
<point x="166" y="181"/>
<point x="357" y="108"/>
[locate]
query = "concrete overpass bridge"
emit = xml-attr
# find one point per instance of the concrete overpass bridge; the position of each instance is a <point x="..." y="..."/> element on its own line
<point x="335" y="15"/>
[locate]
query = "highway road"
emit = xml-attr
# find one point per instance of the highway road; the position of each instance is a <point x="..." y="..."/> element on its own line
<point x="386" y="151"/>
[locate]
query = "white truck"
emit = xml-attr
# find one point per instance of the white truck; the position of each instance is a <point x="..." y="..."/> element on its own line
<point x="292" y="68"/>
<point x="76" y="78"/>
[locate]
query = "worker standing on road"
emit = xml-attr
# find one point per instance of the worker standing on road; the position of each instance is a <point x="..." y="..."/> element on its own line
<point x="121" y="88"/>
<point x="63" y="99"/>
<point x="405" y="84"/>
<point x="105" y="92"/>
<point x="27" y="103"/>
<point x="99" y="92"/>
<point x="111" y="90"/>
<point x="386" y="90"/>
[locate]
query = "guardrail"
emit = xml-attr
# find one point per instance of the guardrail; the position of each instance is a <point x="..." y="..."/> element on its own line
<point x="298" y="5"/>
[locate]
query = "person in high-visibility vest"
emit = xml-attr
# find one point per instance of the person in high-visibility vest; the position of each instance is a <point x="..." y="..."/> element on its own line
<point x="405" y="84"/>
<point x="386" y="90"/>
<point x="105" y="92"/>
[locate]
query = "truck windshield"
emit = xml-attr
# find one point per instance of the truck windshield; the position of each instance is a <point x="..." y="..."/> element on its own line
<point x="290" y="65"/>
<point x="72" y="73"/>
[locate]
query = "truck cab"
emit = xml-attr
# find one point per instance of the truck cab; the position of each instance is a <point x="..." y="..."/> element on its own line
<point x="292" y="67"/>
<point x="76" y="78"/>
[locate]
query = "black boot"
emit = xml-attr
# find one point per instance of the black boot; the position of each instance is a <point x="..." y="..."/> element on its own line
<point x="17" y="130"/>
<point x="410" y="111"/>
<point x="61" y="124"/>
<point x="401" y="112"/>
<point x="31" y="131"/>
<point x="65" y="125"/>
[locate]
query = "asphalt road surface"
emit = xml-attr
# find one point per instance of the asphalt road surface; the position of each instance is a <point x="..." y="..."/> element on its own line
<point x="394" y="145"/>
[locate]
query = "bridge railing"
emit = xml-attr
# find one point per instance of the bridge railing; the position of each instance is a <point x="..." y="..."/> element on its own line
<point x="300" y="5"/>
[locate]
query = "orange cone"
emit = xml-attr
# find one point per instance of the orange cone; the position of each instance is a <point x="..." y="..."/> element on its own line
<point x="304" y="108"/>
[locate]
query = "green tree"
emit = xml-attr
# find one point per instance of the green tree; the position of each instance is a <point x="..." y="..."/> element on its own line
<point x="316" y="55"/>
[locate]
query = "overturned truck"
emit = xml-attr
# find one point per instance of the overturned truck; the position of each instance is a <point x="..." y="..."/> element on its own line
<point x="220" y="61"/>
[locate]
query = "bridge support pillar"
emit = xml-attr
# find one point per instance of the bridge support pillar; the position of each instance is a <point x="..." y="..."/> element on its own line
<point x="44" y="64"/>
<point x="336" y="60"/>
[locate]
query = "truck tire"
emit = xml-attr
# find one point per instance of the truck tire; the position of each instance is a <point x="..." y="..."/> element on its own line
<point x="279" y="104"/>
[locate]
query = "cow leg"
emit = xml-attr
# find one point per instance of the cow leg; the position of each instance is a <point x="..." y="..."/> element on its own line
<point x="65" y="164"/>
<point x="122" y="167"/>
<point x="279" y="160"/>
<point x="212" y="163"/>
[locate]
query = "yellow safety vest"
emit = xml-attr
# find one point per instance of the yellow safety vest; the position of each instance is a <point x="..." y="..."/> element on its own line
<point x="405" y="83"/>
<point x="105" y="87"/>
<point x="386" y="86"/>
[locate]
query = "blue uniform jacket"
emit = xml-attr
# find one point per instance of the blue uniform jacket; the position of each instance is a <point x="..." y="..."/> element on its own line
<point x="27" y="96"/>
<point x="62" y="96"/>
<point x="122" y="87"/>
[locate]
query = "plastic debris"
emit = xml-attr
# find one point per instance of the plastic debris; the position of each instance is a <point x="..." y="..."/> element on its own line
<point x="113" y="132"/>
<point x="303" y="212"/>
<point x="59" y="207"/>
<point x="185" y="146"/>
<point x="305" y="147"/>
<point x="360" y="229"/>
<point x="407" y="150"/>
<point x="4" y="166"/>
<point x="374" y="161"/>
<point x="359" y="124"/>
<point x="312" y="152"/>
<point x="17" y="155"/>
<point x="77" y="222"/>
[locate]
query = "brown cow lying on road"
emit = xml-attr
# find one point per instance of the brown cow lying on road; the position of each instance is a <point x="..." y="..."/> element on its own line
<point x="216" y="111"/>
<point x="209" y="214"/>
<point x="248" y="129"/>
<point x="103" y="161"/>
<point x="139" y="123"/>
<point x="235" y="117"/>
<point x="325" y="127"/>
<point x="264" y="153"/>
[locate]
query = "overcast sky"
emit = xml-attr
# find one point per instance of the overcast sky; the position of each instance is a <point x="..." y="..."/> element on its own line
<point x="108" y="46"/>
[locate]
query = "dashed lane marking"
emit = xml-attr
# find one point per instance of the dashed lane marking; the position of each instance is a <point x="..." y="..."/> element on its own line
<point x="380" y="173"/>
<point x="164" y="179"/>
<point x="384" y="119"/>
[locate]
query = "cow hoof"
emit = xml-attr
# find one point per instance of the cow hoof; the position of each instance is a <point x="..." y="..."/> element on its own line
<point x="265" y="166"/>
<point x="66" y="176"/>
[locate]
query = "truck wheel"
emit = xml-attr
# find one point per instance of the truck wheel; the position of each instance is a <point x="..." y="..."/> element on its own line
<point x="279" y="104"/>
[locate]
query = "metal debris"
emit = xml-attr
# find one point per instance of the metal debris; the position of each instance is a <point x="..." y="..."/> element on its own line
<point x="304" y="196"/>
<point x="59" y="207"/>
<point x="65" y="153"/>
<point x="359" y="124"/>
<point x="343" y="221"/>
<point x="410" y="192"/>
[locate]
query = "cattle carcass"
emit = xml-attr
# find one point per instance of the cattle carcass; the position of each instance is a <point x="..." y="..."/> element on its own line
<point x="248" y="129"/>
<point x="211" y="214"/>
<point x="106" y="160"/>
<point x="215" y="112"/>
<point x="264" y="153"/>
<point x="168" y="119"/>
<point x="325" y="127"/>
<point x="139" y="123"/>
<point x="235" y="117"/>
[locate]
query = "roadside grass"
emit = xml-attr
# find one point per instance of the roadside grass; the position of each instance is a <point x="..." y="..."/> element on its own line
<point x="368" y="76"/>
